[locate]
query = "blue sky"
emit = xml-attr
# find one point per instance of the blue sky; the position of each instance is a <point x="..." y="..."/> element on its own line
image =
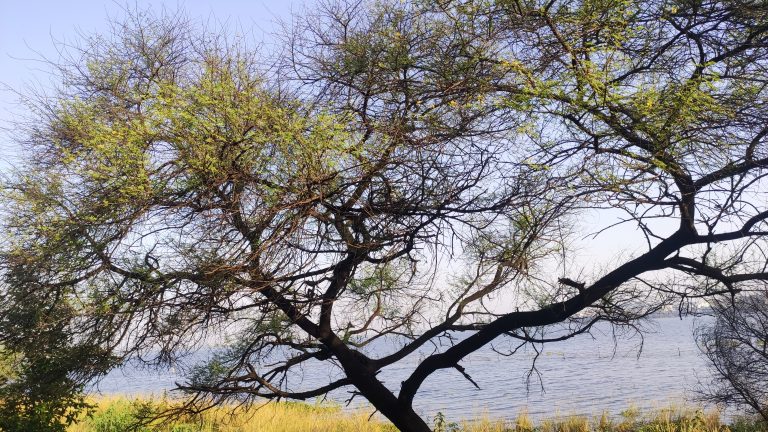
<point x="29" y="30"/>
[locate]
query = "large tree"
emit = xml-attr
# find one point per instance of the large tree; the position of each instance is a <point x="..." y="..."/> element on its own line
<point x="412" y="172"/>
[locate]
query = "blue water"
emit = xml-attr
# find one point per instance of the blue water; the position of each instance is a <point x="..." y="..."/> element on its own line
<point x="583" y="375"/>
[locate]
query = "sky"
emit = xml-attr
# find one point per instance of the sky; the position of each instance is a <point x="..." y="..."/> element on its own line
<point x="30" y="30"/>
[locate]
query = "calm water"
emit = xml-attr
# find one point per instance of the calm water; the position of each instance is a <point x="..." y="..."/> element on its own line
<point x="584" y="375"/>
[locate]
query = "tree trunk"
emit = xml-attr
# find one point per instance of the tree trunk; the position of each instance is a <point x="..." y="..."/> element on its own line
<point x="402" y="416"/>
<point x="363" y="377"/>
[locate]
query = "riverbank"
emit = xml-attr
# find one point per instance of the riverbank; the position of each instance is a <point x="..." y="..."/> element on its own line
<point x="117" y="414"/>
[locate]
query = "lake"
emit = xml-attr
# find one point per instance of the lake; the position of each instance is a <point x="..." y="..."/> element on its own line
<point x="583" y="375"/>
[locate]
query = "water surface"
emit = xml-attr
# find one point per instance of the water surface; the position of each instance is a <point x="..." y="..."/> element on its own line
<point x="583" y="375"/>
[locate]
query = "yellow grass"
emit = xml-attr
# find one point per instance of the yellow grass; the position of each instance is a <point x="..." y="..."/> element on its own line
<point x="117" y="414"/>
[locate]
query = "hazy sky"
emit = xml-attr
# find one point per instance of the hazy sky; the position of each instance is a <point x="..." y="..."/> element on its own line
<point x="29" y="30"/>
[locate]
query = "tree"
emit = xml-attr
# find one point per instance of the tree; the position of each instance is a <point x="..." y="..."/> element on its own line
<point x="736" y="345"/>
<point x="39" y="396"/>
<point x="43" y="376"/>
<point x="412" y="172"/>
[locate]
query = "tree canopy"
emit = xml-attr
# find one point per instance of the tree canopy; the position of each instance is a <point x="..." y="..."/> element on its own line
<point x="405" y="171"/>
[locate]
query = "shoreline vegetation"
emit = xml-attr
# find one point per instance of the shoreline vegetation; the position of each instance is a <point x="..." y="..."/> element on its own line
<point x="122" y="413"/>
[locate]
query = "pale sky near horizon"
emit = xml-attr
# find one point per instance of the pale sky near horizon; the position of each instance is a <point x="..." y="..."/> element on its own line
<point x="30" y="30"/>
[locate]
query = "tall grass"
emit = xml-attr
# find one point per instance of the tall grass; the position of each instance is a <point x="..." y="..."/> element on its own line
<point x="121" y="414"/>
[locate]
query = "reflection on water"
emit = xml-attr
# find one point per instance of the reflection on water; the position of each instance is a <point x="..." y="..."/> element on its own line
<point x="584" y="375"/>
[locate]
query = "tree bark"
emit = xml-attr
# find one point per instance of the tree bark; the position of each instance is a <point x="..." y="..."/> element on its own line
<point x="401" y="415"/>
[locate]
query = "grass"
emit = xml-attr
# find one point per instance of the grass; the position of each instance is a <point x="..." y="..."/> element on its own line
<point x="121" y="414"/>
<point x="118" y="414"/>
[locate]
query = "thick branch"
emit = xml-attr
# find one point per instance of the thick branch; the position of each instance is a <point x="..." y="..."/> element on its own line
<point x="554" y="313"/>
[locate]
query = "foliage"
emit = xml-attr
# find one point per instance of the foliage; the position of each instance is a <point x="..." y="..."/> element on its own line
<point x="39" y="387"/>
<point x="39" y="397"/>
<point x="442" y="425"/>
<point x="417" y="172"/>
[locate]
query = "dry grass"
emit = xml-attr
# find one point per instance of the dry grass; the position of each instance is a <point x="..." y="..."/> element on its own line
<point x="668" y="419"/>
<point x="118" y="414"/>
